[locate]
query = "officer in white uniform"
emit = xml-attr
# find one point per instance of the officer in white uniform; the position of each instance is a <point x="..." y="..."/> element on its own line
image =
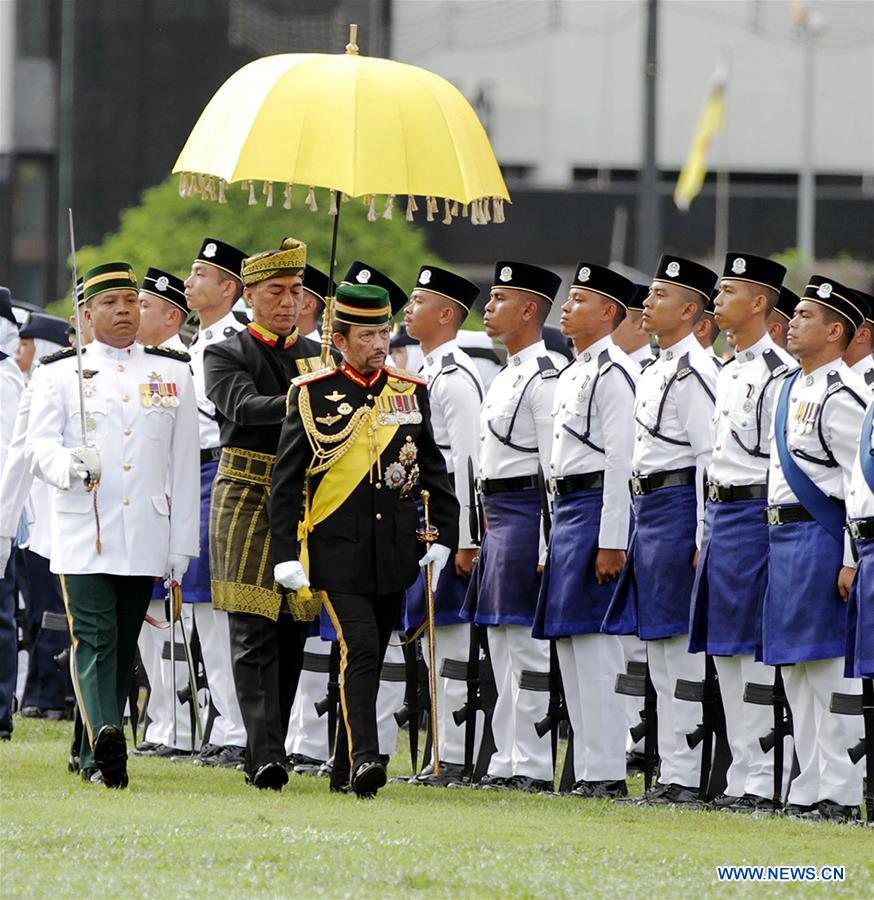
<point x="673" y="442"/>
<point x="138" y="521"/>
<point x="438" y="306"/>
<point x="732" y="571"/>
<point x="211" y="290"/>
<point x="858" y="355"/>
<point x="516" y="433"/>
<point x="589" y="471"/>
<point x="816" y="426"/>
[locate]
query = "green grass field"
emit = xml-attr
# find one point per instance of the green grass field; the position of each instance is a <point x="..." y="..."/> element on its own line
<point x="182" y="831"/>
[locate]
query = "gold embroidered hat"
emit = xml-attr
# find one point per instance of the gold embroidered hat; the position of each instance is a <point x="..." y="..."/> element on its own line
<point x="289" y="259"/>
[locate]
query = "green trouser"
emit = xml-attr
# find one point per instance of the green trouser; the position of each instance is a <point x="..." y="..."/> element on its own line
<point x="105" y="614"/>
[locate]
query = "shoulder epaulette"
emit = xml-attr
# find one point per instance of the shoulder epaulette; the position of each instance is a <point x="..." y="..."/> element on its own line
<point x="448" y="363"/>
<point x="833" y="382"/>
<point x="775" y="365"/>
<point x="683" y="367"/>
<point x="3" y="356"/>
<point x="168" y="353"/>
<point x="647" y="363"/>
<point x="310" y="377"/>
<point x="66" y="353"/>
<point x="604" y="362"/>
<point x="547" y="367"/>
<point x="869" y="377"/>
<point x="404" y="375"/>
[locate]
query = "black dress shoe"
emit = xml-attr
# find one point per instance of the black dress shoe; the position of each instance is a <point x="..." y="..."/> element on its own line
<point x="144" y="748"/>
<point x="326" y="768"/>
<point x="271" y="776"/>
<point x="5" y="735"/>
<point x="450" y="773"/>
<point x="531" y="785"/>
<point x="829" y="811"/>
<point x="118" y="780"/>
<point x="494" y="783"/>
<point x="675" y="795"/>
<point x="301" y="759"/>
<point x="31" y="712"/>
<point x="226" y="758"/>
<point x="752" y="805"/>
<point x="110" y="748"/>
<point x="368" y="778"/>
<point x="798" y="810"/>
<point x="207" y="751"/>
<point x="723" y="802"/>
<point x="600" y="790"/>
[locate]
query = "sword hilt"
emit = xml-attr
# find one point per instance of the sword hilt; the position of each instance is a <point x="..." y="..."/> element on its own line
<point x="428" y="534"/>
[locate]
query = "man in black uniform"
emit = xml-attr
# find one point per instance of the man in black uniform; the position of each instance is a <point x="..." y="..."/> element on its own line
<point x="355" y="449"/>
<point x="247" y="378"/>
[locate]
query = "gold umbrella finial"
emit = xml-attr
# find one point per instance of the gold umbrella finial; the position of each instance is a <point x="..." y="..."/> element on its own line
<point x="352" y="46"/>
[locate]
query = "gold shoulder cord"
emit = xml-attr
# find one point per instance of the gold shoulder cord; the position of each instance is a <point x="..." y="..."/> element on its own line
<point x="338" y="444"/>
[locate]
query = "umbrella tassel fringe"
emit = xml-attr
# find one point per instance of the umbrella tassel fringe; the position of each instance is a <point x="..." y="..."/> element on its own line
<point x="487" y="216"/>
<point x="388" y="212"/>
<point x="371" y="209"/>
<point x="268" y="189"/>
<point x="474" y="212"/>
<point x="345" y="198"/>
<point x="464" y="211"/>
<point x="409" y="215"/>
<point x="311" y="200"/>
<point x="455" y="208"/>
<point x="252" y="199"/>
<point x="429" y="209"/>
<point x="332" y="208"/>
<point x="498" y="204"/>
<point x="286" y="203"/>
<point x="182" y="185"/>
<point x="413" y="201"/>
<point x="447" y="215"/>
<point x="221" y="194"/>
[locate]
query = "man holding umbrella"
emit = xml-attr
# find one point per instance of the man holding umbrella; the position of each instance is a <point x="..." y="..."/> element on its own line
<point x="355" y="448"/>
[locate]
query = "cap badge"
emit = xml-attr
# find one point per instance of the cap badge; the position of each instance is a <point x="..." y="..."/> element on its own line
<point x="506" y="274"/>
<point x="739" y="266"/>
<point x="363" y="276"/>
<point x="673" y="269"/>
<point x="209" y="250"/>
<point x="824" y="290"/>
<point x="585" y="272"/>
<point x="425" y="276"/>
<point x="162" y="284"/>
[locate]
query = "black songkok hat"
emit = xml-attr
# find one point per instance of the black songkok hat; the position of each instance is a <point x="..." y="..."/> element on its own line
<point x="786" y="302"/>
<point x="166" y="286"/>
<point x="316" y="283"/>
<point x="640" y="294"/>
<point x="362" y="273"/>
<point x="687" y="274"/>
<point x="525" y="277"/>
<point x="833" y="295"/>
<point x="757" y="269"/>
<point x="221" y="255"/>
<point x="867" y="305"/>
<point x="447" y="284"/>
<point x="604" y="281"/>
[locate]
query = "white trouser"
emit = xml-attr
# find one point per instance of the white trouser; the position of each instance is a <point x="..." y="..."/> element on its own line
<point x="751" y="770"/>
<point x="822" y="738"/>
<point x="635" y="651"/>
<point x="589" y="665"/>
<point x="390" y="698"/>
<point x="215" y="647"/>
<point x="307" y="733"/>
<point x="669" y="660"/>
<point x="519" y="750"/>
<point x="453" y="642"/>
<point x="152" y="640"/>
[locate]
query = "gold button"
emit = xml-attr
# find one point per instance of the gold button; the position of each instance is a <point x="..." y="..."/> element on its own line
<point x="125" y="398"/>
<point x="126" y="501"/>
<point x="370" y="396"/>
<point x="127" y="467"/>
<point x="127" y="432"/>
<point x="379" y="515"/>
<point x="379" y="485"/>
<point x="120" y="367"/>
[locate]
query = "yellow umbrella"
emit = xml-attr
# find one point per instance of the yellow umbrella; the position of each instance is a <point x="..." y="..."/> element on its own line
<point x="356" y="125"/>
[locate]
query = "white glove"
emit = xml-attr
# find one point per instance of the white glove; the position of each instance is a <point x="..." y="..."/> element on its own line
<point x="438" y="556"/>
<point x="85" y="464"/>
<point x="5" y="553"/>
<point x="291" y="575"/>
<point x="177" y="565"/>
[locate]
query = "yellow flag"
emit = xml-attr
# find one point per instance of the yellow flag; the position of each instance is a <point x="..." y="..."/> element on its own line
<point x="710" y="121"/>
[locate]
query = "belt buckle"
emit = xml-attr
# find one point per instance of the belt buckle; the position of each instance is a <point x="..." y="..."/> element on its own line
<point x="553" y="483"/>
<point x="636" y="485"/>
<point x="773" y="515"/>
<point x="713" y="492"/>
<point x="855" y="531"/>
<point x="479" y="485"/>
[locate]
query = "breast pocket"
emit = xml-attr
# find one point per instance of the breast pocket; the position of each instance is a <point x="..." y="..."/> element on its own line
<point x="159" y="421"/>
<point x="96" y="421"/>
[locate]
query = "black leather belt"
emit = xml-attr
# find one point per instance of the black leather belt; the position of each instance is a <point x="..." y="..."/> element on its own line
<point x="861" y="529"/>
<point x="783" y="515"/>
<point x="721" y="493"/>
<point x="646" y="484"/>
<point x="567" y="484"/>
<point x="503" y="485"/>
<point x="209" y="455"/>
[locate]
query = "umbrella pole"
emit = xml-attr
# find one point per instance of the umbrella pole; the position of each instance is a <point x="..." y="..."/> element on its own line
<point x="328" y="315"/>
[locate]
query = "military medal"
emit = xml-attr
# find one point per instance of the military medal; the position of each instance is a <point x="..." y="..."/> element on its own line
<point x="335" y="397"/>
<point x="748" y="403"/>
<point x="398" y="409"/>
<point x="344" y="408"/>
<point x="395" y="476"/>
<point x="158" y="394"/>
<point x="328" y="419"/>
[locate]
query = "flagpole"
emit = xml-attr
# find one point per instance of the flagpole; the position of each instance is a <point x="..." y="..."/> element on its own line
<point x="649" y="228"/>
<point x="810" y="24"/>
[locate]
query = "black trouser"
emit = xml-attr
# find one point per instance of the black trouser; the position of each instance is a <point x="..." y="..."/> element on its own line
<point x="364" y="623"/>
<point x="266" y="657"/>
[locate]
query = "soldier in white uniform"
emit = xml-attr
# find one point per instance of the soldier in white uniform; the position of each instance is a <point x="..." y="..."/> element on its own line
<point x="516" y="434"/>
<point x="732" y="570"/>
<point x="673" y="442"/>
<point x="589" y="471"/>
<point x="163" y="312"/>
<point x="778" y="321"/>
<point x="858" y="355"/>
<point x="816" y="426"/>
<point x="438" y="306"/>
<point x="211" y="290"/>
<point x="138" y="521"/>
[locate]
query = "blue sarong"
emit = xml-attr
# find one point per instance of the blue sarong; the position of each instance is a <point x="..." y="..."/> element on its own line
<point x="571" y="601"/>
<point x="860" y="616"/>
<point x="653" y="593"/>
<point x="504" y="586"/>
<point x="730" y="581"/>
<point x="803" y="618"/>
